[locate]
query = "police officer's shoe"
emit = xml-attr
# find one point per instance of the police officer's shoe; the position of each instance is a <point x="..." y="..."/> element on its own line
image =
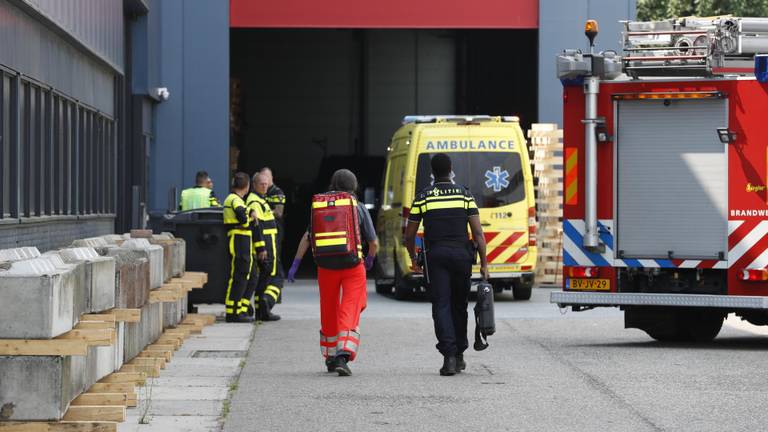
<point x="341" y="367"/>
<point x="460" y="363"/>
<point x="449" y="366"/>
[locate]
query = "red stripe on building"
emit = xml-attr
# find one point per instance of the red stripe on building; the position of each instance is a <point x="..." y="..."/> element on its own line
<point x="501" y="14"/>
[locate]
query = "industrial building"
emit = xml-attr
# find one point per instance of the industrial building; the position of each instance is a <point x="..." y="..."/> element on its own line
<point x="111" y="106"/>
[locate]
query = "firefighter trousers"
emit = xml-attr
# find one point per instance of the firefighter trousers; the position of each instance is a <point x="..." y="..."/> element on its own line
<point x="269" y="284"/>
<point x="343" y="297"/>
<point x="240" y="247"/>
<point x="450" y="273"/>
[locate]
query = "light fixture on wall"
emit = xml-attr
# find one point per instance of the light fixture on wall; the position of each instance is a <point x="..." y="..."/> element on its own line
<point x="726" y="136"/>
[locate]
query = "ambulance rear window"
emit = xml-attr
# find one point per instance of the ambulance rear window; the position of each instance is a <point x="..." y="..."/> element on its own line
<point x="494" y="178"/>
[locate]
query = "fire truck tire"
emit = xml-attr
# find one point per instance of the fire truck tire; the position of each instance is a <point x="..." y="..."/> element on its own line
<point x="701" y="325"/>
<point x="522" y="290"/>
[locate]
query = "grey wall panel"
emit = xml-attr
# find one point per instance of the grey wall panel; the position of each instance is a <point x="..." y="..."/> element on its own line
<point x="97" y="24"/>
<point x="192" y="126"/>
<point x="561" y="26"/>
<point x="409" y="72"/>
<point x="29" y="47"/>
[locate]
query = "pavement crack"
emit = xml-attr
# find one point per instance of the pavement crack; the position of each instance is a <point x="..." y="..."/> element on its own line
<point x="487" y="369"/>
<point x="590" y="379"/>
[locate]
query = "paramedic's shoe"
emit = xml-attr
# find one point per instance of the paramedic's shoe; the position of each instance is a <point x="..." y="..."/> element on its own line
<point x="460" y="363"/>
<point x="449" y="366"/>
<point x="330" y="364"/>
<point x="341" y="367"/>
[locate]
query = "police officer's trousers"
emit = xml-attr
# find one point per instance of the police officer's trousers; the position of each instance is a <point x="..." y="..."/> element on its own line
<point x="450" y="273"/>
<point x="268" y="285"/>
<point x="240" y="247"/>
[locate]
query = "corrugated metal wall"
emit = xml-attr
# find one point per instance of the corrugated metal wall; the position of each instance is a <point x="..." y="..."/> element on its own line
<point x="97" y="24"/>
<point x="33" y="49"/>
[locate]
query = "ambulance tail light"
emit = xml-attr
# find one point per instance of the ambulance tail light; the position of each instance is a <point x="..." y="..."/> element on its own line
<point x="754" y="275"/>
<point x="583" y="272"/>
<point x="532" y="226"/>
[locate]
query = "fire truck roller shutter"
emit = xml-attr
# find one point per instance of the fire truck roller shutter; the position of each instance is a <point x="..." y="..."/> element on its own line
<point x="672" y="177"/>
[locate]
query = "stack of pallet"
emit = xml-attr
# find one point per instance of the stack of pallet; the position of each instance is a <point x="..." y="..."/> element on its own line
<point x="81" y="327"/>
<point x="547" y="146"/>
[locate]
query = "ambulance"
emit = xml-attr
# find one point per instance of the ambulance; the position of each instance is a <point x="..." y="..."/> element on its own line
<point x="490" y="158"/>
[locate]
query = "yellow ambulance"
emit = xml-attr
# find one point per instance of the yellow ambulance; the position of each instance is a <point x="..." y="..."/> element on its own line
<point x="490" y="158"/>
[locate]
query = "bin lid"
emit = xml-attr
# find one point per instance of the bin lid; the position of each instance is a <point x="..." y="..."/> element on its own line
<point x="202" y="216"/>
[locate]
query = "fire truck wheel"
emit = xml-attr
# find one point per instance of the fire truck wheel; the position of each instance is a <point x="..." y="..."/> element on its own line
<point x="701" y="325"/>
<point x="522" y="289"/>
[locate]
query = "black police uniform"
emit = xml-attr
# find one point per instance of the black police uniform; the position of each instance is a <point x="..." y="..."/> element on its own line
<point x="445" y="209"/>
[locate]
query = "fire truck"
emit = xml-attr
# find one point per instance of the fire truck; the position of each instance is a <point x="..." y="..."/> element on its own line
<point x="665" y="213"/>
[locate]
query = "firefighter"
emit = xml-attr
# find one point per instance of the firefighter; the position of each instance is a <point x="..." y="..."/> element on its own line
<point x="343" y="293"/>
<point x="276" y="199"/>
<point x="238" y="222"/>
<point x="256" y="207"/>
<point x="446" y="208"/>
<point x="269" y="283"/>
<point x="199" y="196"/>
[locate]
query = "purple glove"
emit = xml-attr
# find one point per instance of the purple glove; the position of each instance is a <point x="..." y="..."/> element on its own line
<point x="369" y="262"/>
<point x="294" y="268"/>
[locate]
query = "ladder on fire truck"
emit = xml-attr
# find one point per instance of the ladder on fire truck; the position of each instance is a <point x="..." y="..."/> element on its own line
<point x="693" y="46"/>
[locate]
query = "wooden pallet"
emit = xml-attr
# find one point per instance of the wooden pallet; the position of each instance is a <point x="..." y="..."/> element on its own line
<point x="547" y="146"/>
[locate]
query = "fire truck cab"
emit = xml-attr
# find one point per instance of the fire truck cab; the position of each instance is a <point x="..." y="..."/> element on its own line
<point x="666" y="159"/>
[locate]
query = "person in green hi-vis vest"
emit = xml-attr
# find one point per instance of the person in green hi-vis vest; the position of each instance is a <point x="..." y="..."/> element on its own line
<point x="200" y="196"/>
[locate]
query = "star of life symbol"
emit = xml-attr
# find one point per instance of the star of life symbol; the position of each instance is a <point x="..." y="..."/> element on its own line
<point x="497" y="179"/>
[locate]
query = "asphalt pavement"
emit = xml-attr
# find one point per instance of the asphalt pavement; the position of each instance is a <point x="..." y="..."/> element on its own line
<point x="544" y="371"/>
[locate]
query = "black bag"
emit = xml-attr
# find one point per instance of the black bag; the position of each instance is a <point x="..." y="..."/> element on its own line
<point x="485" y="322"/>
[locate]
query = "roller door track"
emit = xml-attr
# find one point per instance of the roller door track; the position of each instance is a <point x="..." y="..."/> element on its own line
<point x="672" y="179"/>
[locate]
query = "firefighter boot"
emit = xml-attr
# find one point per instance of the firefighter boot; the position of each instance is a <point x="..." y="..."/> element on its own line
<point x="241" y="318"/>
<point x="340" y="365"/>
<point x="460" y="363"/>
<point x="449" y="366"/>
<point x="264" y="312"/>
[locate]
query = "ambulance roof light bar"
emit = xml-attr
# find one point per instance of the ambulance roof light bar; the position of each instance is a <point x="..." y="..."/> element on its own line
<point x="457" y="118"/>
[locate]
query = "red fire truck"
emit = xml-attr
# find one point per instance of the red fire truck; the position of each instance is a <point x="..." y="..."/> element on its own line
<point x="665" y="213"/>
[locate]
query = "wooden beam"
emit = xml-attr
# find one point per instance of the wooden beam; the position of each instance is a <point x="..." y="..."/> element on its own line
<point x="163" y="296"/>
<point x="125" y="377"/>
<point x="92" y="413"/>
<point x="152" y="371"/>
<point x="43" y="347"/>
<point x="88" y="325"/>
<point x="207" y="318"/>
<point x="127" y="315"/>
<point x="162" y="354"/>
<point x="98" y="426"/>
<point x="170" y="341"/>
<point x="106" y="317"/>
<point x="93" y="337"/>
<point x="100" y="399"/>
<point x="152" y="361"/>
<point x="161" y="347"/>
<point x="127" y="387"/>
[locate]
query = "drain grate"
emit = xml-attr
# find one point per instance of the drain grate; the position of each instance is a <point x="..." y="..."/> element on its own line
<point x="219" y="354"/>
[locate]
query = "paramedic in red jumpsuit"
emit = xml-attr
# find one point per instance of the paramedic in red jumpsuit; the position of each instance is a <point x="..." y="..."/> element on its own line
<point x="340" y="316"/>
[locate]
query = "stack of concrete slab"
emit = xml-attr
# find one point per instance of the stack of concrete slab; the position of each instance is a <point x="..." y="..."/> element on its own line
<point x="154" y="254"/>
<point x="99" y="275"/>
<point x="131" y="277"/>
<point x="178" y="253"/>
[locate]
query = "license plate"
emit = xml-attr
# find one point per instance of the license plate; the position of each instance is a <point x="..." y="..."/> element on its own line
<point x="589" y="284"/>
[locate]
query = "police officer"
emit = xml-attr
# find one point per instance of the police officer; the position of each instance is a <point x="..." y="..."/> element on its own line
<point x="446" y="209"/>
<point x="199" y="196"/>
<point x="276" y="199"/>
<point x="269" y="284"/>
<point x="238" y="223"/>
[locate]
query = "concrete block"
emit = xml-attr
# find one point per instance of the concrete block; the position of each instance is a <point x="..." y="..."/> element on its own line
<point x="179" y="252"/>
<point x="36" y="300"/>
<point x="100" y="275"/>
<point x="131" y="277"/>
<point x="113" y="239"/>
<point x="39" y="387"/>
<point x="90" y="242"/>
<point x="81" y="290"/>
<point x="148" y="330"/>
<point x="18" y="254"/>
<point x="154" y="254"/>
